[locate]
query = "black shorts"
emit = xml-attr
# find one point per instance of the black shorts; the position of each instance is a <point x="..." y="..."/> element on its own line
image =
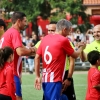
<point x="4" y="97"/>
<point x="70" y="92"/>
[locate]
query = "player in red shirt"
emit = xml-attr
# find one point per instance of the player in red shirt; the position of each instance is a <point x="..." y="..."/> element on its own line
<point x="7" y="87"/>
<point x="93" y="89"/>
<point x="12" y="38"/>
<point x="53" y="50"/>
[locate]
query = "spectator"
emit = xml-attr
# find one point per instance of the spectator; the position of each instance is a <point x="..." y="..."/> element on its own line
<point x="89" y="36"/>
<point x="68" y="79"/>
<point x="78" y="36"/>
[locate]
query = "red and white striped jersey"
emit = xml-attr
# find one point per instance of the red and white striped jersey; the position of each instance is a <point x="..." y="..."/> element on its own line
<point x="53" y="49"/>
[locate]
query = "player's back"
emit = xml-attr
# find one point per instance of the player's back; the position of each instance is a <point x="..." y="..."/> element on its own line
<point x="53" y="49"/>
<point x="53" y="44"/>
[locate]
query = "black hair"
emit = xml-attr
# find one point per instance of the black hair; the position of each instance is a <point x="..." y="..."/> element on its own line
<point x="93" y="56"/>
<point x="17" y="15"/>
<point x="2" y="23"/>
<point x="4" y="55"/>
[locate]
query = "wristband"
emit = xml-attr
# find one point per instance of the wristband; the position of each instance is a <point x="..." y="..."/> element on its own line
<point x="69" y="79"/>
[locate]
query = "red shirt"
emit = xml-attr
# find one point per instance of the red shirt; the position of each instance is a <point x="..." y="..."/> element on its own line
<point x="53" y="49"/>
<point x="12" y="38"/>
<point x="7" y="86"/>
<point x="93" y="80"/>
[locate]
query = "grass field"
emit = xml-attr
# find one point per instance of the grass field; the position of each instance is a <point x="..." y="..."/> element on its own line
<point x="29" y="93"/>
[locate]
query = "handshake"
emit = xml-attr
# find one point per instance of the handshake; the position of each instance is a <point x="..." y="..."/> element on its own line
<point x="32" y="51"/>
<point x="81" y="45"/>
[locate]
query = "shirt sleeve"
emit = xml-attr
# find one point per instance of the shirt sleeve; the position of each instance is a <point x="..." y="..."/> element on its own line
<point x="38" y="44"/>
<point x="39" y="49"/>
<point x="87" y="49"/>
<point x="10" y="83"/>
<point x="95" y="79"/>
<point x="16" y="39"/>
<point x="67" y="58"/>
<point x="67" y="47"/>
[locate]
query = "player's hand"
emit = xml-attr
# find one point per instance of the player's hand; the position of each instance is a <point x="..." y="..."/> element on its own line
<point x="82" y="45"/>
<point x="38" y="83"/>
<point x="65" y="84"/>
<point x="32" y="50"/>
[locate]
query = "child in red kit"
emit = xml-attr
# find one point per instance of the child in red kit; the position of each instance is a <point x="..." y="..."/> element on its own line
<point x="93" y="89"/>
<point x="7" y="88"/>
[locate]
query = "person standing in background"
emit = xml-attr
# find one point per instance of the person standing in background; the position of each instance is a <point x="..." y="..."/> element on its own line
<point x="89" y="36"/>
<point x="68" y="79"/>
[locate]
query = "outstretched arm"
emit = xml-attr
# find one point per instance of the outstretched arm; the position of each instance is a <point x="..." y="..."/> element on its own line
<point x="79" y="51"/>
<point x="83" y="56"/>
<point x="23" y="51"/>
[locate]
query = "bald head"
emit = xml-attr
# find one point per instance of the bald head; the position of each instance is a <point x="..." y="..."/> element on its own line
<point x="97" y="26"/>
<point x="96" y="32"/>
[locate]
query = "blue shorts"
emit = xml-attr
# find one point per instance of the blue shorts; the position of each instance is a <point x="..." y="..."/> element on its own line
<point x="52" y="90"/>
<point x="18" y="86"/>
<point x="63" y="97"/>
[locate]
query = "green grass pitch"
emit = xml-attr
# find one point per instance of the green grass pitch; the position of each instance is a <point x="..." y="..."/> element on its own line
<point x="30" y="93"/>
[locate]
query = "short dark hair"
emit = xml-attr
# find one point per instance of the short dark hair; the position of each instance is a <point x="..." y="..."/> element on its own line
<point x="93" y="56"/>
<point x="17" y="15"/>
<point x="2" y="23"/>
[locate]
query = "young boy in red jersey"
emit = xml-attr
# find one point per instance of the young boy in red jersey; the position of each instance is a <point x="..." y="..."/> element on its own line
<point x="93" y="90"/>
<point x="7" y="88"/>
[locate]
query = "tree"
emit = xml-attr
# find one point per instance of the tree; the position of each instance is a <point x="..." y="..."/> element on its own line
<point x="33" y="8"/>
<point x="76" y="10"/>
<point x="30" y="8"/>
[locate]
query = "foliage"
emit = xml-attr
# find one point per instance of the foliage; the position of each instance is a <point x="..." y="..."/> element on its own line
<point x="44" y="7"/>
<point x="75" y="8"/>
<point x="30" y="93"/>
<point x="30" y="8"/>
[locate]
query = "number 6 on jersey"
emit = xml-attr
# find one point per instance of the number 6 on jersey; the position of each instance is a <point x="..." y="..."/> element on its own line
<point x="47" y="53"/>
